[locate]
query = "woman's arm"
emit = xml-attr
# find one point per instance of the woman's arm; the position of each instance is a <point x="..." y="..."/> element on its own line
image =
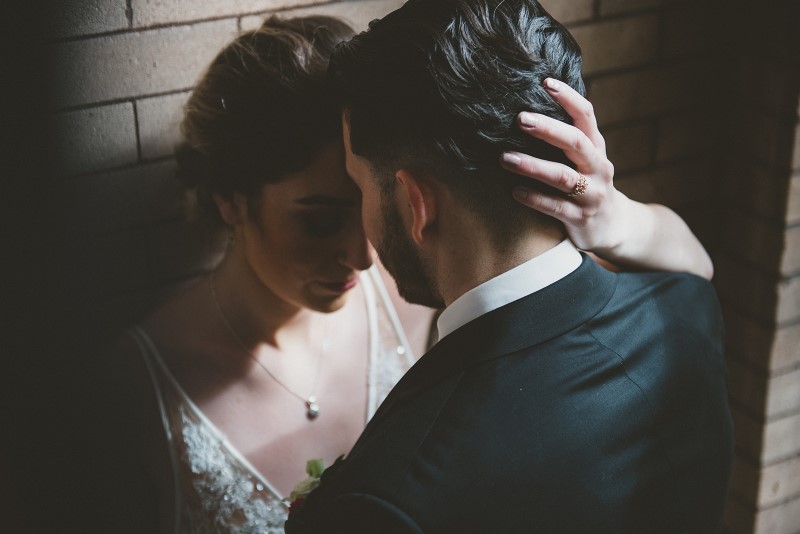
<point x="600" y="219"/>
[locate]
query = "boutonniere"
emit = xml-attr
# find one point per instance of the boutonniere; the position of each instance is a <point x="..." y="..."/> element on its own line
<point x="315" y="469"/>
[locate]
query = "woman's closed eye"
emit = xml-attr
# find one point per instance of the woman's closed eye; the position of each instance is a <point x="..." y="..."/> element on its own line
<point x="323" y="225"/>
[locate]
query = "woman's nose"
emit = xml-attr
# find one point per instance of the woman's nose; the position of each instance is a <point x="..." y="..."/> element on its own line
<point x="358" y="254"/>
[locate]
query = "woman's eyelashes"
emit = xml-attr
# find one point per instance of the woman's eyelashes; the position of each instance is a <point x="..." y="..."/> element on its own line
<point x="322" y="225"/>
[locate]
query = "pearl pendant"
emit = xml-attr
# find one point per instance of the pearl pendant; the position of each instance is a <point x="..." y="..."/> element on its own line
<point x="312" y="408"/>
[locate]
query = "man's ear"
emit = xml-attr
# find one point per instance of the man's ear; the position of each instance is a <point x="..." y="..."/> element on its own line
<point x="420" y="195"/>
<point x="233" y="210"/>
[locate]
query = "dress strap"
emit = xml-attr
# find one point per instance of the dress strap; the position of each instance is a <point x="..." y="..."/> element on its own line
<point x="152" y="359"/>
<point x="389" y="352"/>
<point x="158" y="368"/>
<point x="380" y="287"/>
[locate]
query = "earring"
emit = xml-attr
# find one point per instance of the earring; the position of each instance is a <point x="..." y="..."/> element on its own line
<point x="231" y="238"/>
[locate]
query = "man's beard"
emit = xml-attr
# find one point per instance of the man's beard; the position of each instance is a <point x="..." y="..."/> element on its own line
<point x="412" y="274"/>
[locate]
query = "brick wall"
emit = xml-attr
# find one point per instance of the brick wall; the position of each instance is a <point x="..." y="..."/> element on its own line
<point x="694" y="116"/>
<point x="122" y="72"/>
<point x="758" y="266"/>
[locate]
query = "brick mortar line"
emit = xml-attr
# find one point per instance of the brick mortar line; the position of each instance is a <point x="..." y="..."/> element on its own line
<point x="785" y="500"/>
<point x="696" y="61"/>
<point x="122" y="100"/>
<point x="786" y="414"/>
<point x="738" y="359"/>
<point x="189" y="22"/>
<point x="787" y="458"/>
<point x="788" y="324"/>
<point x="117" y="168"/>
<point x="747" y="412"/>
<point x="239" y="16"/>
<point x="791" y="275"/>
<point x="756" y="508"/>
<point x="136" y="131"/>
<point x="669" y="113"/>
<point x="142" y="29"/>
<point x="761" y="372"/>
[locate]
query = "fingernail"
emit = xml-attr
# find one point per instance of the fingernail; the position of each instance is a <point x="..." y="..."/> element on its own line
<point x="520" y="193"/>
<point x="528" y="120"/>
<point x="511" y="160"/>
<point x="551" y="84"/>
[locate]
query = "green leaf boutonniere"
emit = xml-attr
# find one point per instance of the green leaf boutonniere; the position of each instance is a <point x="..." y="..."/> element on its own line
<point x="297" y="498"/>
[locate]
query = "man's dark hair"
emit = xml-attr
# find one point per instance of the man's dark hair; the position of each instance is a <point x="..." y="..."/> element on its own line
<point x="437" y="85"/>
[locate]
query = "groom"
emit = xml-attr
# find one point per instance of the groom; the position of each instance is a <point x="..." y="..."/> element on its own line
<point x="561" y="397"/>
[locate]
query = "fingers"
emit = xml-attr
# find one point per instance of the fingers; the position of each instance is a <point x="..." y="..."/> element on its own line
<point x="555" y="175"/>
<point x="577" y="107"/>
<point x="562" y="209"/>
<point x="575" y="144"/>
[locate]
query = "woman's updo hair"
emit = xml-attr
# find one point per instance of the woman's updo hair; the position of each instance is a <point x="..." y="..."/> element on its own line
<point x="261" y="110"/>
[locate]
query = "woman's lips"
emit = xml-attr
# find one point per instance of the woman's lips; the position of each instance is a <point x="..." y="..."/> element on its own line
<point x="340" y="287"/>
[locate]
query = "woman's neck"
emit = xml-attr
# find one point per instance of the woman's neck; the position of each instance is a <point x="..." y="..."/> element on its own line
<point x="255" y="313"/>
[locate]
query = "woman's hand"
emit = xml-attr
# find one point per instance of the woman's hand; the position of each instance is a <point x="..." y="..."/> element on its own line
<point x="597" y="216"/>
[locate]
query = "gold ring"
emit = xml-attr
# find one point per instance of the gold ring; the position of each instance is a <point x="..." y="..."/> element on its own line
<point x="580" y="188"/>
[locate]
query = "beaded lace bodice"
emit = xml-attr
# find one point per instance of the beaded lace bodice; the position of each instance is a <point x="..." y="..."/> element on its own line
<point x="216" y="487"/>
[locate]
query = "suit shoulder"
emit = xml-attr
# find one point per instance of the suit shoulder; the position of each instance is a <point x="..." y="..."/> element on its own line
<point x="667" y="303"/>
<point x="667" y="282"/>
<point x="683" y="292"/>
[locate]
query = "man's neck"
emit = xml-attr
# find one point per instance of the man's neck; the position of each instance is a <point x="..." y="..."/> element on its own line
<point x="471" y="258"/>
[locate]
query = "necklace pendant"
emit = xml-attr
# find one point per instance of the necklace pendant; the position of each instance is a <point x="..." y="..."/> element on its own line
<point x="312" y="408"/>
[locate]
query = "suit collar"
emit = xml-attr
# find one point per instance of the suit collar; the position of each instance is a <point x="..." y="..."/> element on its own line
<point x="524" y="279"/>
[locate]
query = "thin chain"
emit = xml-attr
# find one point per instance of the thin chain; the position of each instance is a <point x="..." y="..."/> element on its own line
<point x="311" y="399"/>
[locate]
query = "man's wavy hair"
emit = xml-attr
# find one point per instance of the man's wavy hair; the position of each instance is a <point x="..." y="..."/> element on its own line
<point x="437" y="84"/>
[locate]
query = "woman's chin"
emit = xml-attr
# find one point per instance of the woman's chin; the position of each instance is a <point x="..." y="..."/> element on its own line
<point x="328" y="304"/>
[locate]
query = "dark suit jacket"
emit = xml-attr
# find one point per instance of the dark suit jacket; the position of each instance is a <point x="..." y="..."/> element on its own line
<point x="596" y="405"/>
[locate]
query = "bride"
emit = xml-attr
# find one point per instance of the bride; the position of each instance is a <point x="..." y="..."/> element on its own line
<point x="285" y="350"/>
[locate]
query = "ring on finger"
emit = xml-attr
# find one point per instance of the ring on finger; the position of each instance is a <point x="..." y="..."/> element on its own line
<point x="580" y="187"/>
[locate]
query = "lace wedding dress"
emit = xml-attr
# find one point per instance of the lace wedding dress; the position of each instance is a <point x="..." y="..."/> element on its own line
<point x="216" y="487"/>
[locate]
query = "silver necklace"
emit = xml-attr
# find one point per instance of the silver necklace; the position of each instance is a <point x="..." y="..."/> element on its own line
<point x="310" y="402"/>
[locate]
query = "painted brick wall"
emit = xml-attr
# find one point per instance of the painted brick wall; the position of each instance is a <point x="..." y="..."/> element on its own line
<point x="758" y="272"/>
<point x="122" y="72"/>
<point x="693" y="118"/>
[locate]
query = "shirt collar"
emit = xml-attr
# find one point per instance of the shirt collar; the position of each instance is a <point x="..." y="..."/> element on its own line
<point x="529" y="277"/>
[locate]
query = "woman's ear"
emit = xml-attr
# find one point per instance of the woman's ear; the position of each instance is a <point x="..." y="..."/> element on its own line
<point x="419" y="194"/>
<point x="233" y="210"/>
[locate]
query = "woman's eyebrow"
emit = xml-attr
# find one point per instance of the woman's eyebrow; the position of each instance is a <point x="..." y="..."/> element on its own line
<point x="325" y="200"/>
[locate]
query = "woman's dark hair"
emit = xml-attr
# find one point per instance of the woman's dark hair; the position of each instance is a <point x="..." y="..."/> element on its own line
<point x="261" y="110"/>
<point x="438" y="84"/>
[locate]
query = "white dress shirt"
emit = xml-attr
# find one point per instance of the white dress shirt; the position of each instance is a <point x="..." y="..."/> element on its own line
<point x="521" y="281"/>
